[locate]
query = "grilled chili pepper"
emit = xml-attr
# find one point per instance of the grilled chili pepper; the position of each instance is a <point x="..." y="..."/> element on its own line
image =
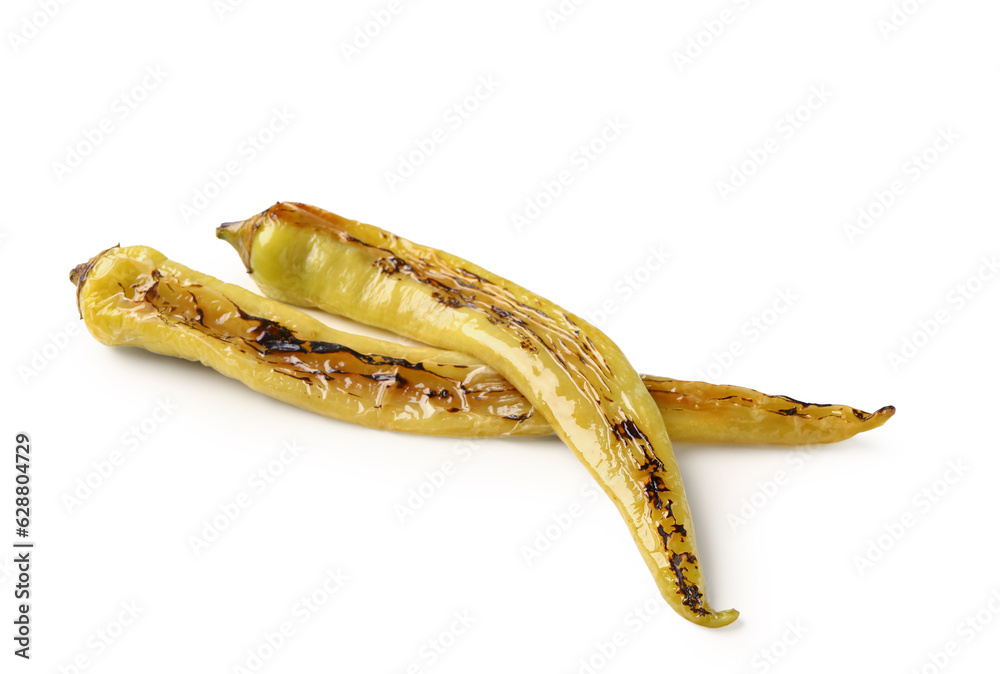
<point x="570" y="371"/>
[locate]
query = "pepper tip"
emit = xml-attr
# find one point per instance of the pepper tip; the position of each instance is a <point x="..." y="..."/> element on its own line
<point x="715" y="619"/>
<point x="880" y="416"/>
<point x="727" y="617"/>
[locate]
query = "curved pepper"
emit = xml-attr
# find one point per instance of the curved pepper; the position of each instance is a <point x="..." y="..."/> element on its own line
<point x="569" y="370"/>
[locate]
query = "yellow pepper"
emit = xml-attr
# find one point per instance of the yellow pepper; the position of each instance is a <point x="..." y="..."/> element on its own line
<point x="567" y="369"/>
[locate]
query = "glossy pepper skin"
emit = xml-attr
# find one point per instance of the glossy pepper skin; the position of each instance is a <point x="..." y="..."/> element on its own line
<point x="136" y="296"/>
<point x="569" y="371"/>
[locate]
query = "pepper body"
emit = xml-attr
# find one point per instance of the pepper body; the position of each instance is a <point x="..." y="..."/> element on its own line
<point x="569" y="371"/>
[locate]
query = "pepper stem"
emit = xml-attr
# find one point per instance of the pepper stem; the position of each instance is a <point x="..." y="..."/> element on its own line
<point x="239" y="235"/>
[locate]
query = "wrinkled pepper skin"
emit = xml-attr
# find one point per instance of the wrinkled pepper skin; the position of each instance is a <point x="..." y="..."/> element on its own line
<point x="570" y="371"/>
<point x="135" y="296"/>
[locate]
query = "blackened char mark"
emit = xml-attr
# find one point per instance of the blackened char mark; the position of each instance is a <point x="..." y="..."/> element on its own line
<point x="271" y="335"/>
<point x="748" y="401"/>
<point x="627" y="430"/>
<point x="803" y="404"/>
<point x="678" y="527"/>
<point x="301" y="377"/>
<point x="503" y="313"/>
<point x="665" y="535"/>
<point x="652" y="462"/>
<point x="200" y="315"/>
<point x="465" y="284"/>
<point x="692" y="595"/>
<point x="393" y="265"/>
<point x="447" y="300"/>
<point x="653" y="488"/>
<point x="152" y="293"/>
<point x="276" y="338"/>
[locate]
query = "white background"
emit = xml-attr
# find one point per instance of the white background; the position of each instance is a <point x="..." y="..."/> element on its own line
<point x="806" y="557"/>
